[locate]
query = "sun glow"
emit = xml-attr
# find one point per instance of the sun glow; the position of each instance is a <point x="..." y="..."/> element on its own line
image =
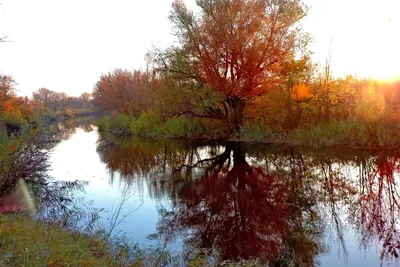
<point x="360" y="35"/>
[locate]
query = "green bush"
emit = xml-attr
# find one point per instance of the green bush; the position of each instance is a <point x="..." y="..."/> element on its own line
<point x="121" y="123"/>
<point x="148" y="124"/>
<point x="183" y="127"/>
<point x="14" y="119"/>
<point x="103" y="123"/>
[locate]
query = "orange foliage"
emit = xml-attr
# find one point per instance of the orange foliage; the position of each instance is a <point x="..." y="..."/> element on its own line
<point x="18" y="107"/>
<point x="236" y="46"/>
<point x="300" y="92"/>
<point x="10" y="104"/>
<point x="123" y="91"/>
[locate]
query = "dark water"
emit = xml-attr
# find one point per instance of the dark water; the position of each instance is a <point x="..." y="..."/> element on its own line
<point x="282" y="206"/>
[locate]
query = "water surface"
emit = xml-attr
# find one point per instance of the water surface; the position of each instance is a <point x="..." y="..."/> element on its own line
<point x="280" y="205"/>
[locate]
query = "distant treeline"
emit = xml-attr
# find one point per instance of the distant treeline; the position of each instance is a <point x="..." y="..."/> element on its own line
<point x="17" y="110"/>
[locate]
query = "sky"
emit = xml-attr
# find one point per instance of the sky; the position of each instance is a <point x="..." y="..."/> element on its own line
<point x="65" y="46"/>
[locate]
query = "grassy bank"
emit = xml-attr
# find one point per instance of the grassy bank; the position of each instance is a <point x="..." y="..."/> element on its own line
<point x="150" y="125"/>
<point x="349" y="133"/>
<point x="15" y="123"/>
<point x="27" y="242"/>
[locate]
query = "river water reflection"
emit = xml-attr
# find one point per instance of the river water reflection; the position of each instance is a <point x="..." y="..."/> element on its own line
<point x="284" y="206"/>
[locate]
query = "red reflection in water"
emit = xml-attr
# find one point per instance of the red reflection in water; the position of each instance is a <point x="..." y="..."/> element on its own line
<point x="242" y="211"/>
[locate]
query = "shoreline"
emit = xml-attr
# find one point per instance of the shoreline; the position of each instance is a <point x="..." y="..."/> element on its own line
<point x="267" y="142"/>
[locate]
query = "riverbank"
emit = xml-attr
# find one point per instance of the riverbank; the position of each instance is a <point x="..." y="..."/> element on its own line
<point x="27" y="242"/>
<point x="16" y="124"/>
<point x="69" y="114"/>
<point x="344" y="133"/>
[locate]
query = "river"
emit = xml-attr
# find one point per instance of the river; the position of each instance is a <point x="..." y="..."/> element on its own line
<point x="284" y="206"/>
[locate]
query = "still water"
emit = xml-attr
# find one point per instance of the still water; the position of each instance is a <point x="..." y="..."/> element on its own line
<point x="284" y="206"/>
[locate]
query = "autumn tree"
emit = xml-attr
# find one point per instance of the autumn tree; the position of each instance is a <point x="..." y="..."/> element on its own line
<point x="235" y="47"/>
<point x="123" y="91"/>
<point x="85" y="96"/>
<point x="7" y="86"/>
<point x="43" y="97"/>
<point x="59" y="101"/>
<point x="13" y="109"/>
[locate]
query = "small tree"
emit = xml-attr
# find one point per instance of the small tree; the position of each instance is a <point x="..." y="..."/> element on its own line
<point x="7" y="86"/>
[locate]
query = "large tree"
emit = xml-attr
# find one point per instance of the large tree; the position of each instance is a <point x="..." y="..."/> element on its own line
<point x="235" y="47"/>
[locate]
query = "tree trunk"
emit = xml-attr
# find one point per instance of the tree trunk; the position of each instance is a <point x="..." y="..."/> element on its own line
<point x="235" y="116"/>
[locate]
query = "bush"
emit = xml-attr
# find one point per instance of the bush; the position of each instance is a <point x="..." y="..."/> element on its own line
<point x="103" y="123"/>
<point x="14" y="118"/>
<point x="69" y="113"/>
<point x="182" y="127"/>
<point x="148" y="124"/>
<point x="121" y="123"/>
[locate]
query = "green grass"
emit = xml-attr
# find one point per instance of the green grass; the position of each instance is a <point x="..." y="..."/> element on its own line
<point x="258" y="133"/>
<point x="349" y="133"/>
<point x="151" y="125"/>
<point x="26" y="242"/>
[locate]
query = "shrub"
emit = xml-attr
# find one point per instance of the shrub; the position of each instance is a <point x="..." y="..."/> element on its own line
<point x="148" y="124"/>
<point x="121" y="123"/>
<point x="14" y="118"/>
<point x="69" y="113"/>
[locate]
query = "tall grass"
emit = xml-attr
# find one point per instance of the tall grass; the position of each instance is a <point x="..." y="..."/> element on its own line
<point x="151" y="125"/>
<point x="352" y="133"/>
<point x="259" y="133"/>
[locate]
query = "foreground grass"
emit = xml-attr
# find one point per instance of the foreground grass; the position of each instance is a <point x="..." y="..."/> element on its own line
<point x="26" y="242"/>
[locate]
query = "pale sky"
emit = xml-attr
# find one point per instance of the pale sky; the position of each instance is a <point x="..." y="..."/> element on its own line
<point x="66" y="45"/>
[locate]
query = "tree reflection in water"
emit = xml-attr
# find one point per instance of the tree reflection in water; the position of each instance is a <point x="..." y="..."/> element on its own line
<point x="222" y="202"/>
<point x="274" y="204"/>
<point x="378" y="204"/>
<point x="246" y="212"/>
